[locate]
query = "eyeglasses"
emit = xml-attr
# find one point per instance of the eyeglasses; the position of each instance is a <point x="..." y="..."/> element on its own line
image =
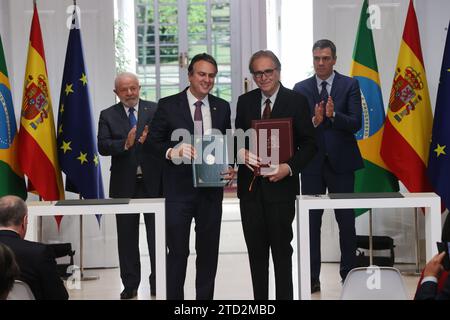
<point x="267" y="73"/>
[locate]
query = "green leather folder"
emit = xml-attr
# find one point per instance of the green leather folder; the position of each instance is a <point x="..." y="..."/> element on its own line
<point x="211" y="162"/>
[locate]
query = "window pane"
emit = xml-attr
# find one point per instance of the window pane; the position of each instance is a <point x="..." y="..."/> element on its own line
<point x="222" y="91"/>
<point x="196" y="14"/>
<point x="144" y="11"/>
<point x="168" y="54"/>
<point x="148" y="93"/>
<point x="168" y="14"/>
<point x="140" y="35"/>
<point x="196" y="49"/>
<point x="220" y="13"/>
<point x="169" y="75"/>
<point x="222" y="53"/>
<point x="168" y="34"/>
<point x="168" y="91"/>
<point x="150" y="36"/>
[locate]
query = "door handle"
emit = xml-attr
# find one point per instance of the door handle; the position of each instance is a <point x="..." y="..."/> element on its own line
<point x="246" y="84"/>
<point x="183" y="60"/>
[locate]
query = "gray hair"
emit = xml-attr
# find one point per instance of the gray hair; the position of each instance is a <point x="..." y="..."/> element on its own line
<point x="12" y="211"/>
<point x="264" y="54"/>
<point x="125" y="74"/>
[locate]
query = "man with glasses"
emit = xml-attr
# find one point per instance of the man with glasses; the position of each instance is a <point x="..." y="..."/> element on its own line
<point x="135" y="173"/>
<point x="335" y="103"/>
<point x="268" y="207"/>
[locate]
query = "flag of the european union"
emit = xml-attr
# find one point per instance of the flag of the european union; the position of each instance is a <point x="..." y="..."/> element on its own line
<point x="77" y="145"/>
<point x="439" y="160"/>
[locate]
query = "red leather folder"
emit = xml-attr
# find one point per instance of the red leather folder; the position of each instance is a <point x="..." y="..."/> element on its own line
<point x="279" y="135"/>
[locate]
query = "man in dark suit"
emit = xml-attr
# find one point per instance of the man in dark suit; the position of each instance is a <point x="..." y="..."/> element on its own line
<point x="135" y="173"/>
<point x="35" y="260"/>
<point x="193" y="110"/>
<point x="335" y="103"/>
<point x="268" y="209"/>
<point x="429" y="284"/>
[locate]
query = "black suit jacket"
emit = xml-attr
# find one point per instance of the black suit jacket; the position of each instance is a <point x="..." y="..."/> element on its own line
<point x="37" y="267"/>
<point x="174" y="113"/>
<point x="288" y="104"/>
<point x="336" y="139"/>
<point x="113" y="128"/>
<point x="428" y="291"/>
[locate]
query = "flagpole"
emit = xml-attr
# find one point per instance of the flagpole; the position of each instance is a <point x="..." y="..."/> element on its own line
<point x="417" y="271"/>
<point x="416" y="227"/>
<point x="83" y="276"/>
<point x="40" y="232"/>
<point x="370" y="239"/>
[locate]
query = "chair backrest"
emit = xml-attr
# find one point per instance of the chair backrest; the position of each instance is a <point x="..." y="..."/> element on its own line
<point x="374" y="283"/>
<point x="20" y="291"/>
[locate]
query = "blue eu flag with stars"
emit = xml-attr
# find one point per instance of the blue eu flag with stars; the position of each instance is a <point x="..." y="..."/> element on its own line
<point x="77" y="145"/>
<point x="439" y="160"/>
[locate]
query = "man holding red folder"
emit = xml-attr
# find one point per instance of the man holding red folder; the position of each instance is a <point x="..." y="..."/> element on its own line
<point x="267" y="202"/>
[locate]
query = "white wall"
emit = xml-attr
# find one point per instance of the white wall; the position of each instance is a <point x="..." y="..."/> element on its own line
<point x="97" y="33"/>
<point x="296" y="41"/>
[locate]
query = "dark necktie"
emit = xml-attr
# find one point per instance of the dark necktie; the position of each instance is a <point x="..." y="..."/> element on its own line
<point x="324" y="92"/>
<point x="198" y="119"/>
<point x="132" y="117"/>
<point x="266" y="112"/>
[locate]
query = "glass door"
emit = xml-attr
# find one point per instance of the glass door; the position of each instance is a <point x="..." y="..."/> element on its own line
<point x="170" y="32"/>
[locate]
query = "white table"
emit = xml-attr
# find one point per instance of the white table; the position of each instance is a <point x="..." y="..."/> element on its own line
<point x="48" y="208"/>
<point x="430" y="201"/>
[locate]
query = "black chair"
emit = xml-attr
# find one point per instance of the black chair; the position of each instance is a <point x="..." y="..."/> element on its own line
<point x="63" y="250"/>
<point x="378" y="243"/>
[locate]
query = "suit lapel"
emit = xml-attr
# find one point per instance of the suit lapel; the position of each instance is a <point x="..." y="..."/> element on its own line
<point x="143" y="113"/>
<point x="256" y="107"/>
<point x="214" y="112"/>
<point x="124" y="121"/>
<point x="186" y="111"/>
<point x="336" y="84"/>
<point x="315" y="89"/>
<point x="279" y="102"/>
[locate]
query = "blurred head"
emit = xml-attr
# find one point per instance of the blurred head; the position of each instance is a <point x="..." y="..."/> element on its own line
<point x="324" y="58"/>
<point x="13" y="215"/>
<point x="9" y="271"/>
<point x="265" y="68"/>
<point x="127" y="88"/>
<point x="202" y="73"/>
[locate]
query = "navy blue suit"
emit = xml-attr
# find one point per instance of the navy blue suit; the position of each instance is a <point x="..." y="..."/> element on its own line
<point x="37" y="266"/>
<point x="428" y="291"/>
<point x="184" y="202"/>
<point x="113" y="130"/>
<point x="334" y="165"/>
